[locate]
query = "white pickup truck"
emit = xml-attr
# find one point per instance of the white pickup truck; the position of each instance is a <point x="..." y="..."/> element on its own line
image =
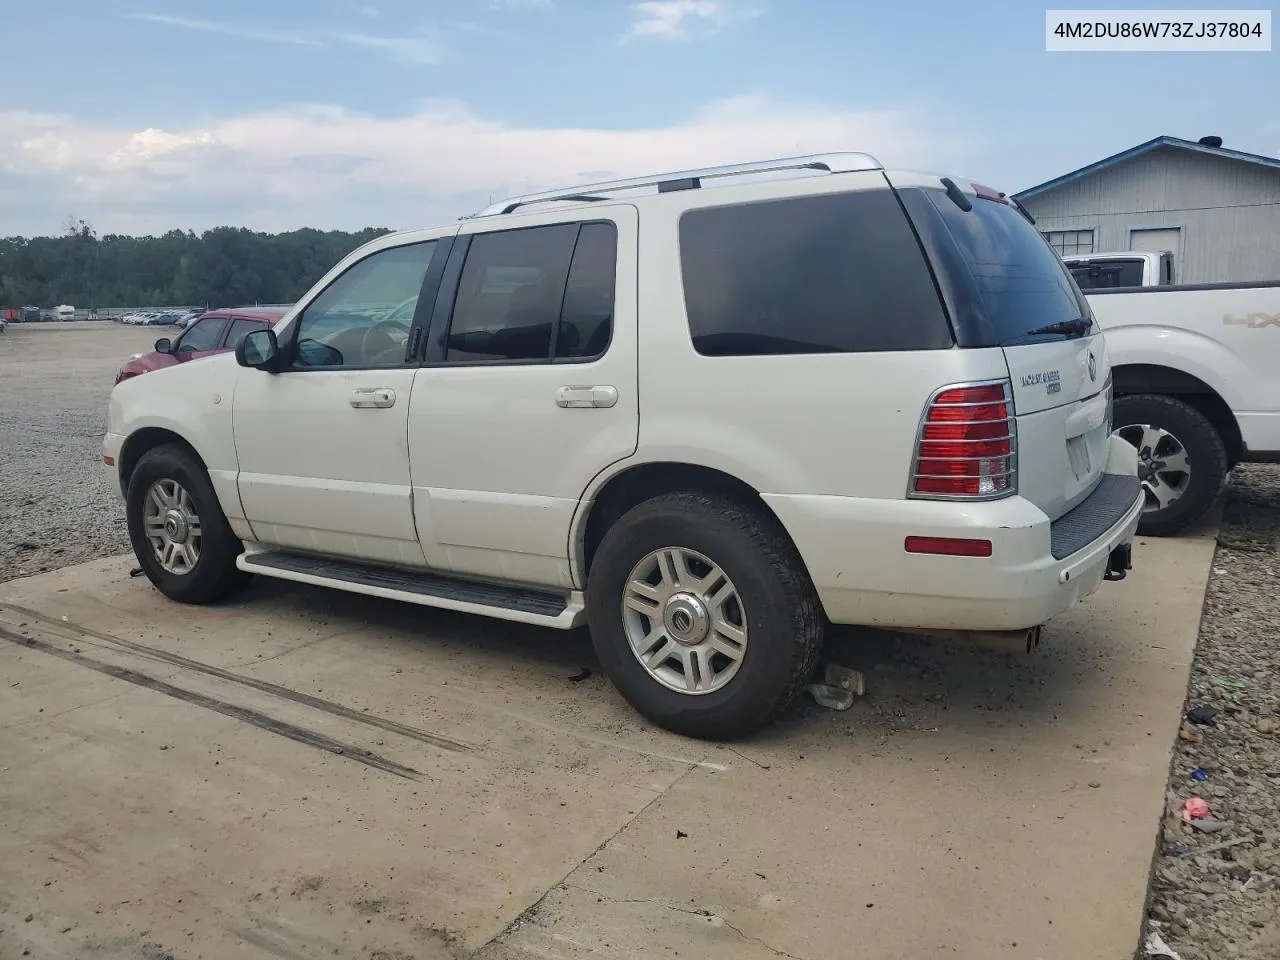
<point x="1197" y="377"/>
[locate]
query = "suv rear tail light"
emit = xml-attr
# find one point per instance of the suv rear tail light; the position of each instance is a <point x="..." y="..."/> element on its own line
<point x="966" y="445"/>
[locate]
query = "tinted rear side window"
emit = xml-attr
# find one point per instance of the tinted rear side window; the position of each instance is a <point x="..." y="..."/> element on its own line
<point x="510" y="294"/>
<point x="838" y="273"/>
<point x="1000" y="277"/>
<point x="586" y="315"/>
<point x="1105" y="274"/>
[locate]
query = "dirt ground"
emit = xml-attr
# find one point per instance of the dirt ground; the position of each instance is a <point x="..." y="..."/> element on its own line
<point x="301" y="773"/>
<point x="55" y="378"/>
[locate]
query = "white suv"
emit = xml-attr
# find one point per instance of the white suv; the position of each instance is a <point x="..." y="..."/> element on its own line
<point x="708" y="413"/>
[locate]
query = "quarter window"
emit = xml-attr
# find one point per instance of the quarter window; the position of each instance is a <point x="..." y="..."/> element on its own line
<point x="836" y="273"/>
<point x="534" y="294"/>
<point x="586" y="318"/>
<point x="363" y="318"/>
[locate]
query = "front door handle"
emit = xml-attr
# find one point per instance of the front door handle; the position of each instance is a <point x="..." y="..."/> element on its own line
<point x="577" y="397"/>
<point x="364" y="397"/>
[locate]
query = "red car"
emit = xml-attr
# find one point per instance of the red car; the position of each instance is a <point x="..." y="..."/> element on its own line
<point x="214" y="332"/>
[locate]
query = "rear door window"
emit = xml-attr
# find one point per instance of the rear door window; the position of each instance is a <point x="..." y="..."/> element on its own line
<point x="535" y="294"/>
<point x="240" y="328"/>
<point x="1000" y="277"/>
<point x="835" y="273"/>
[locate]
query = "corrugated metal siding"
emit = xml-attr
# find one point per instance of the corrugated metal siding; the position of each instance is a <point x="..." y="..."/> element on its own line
<point x="1229" y="211"/>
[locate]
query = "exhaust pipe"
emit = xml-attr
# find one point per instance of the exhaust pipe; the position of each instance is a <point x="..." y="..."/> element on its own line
<point x="1004" y="641"/>
<point x="1000" y="641"/>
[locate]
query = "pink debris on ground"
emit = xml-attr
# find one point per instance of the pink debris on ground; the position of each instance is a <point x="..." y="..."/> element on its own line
<point x="1195" y="809"/>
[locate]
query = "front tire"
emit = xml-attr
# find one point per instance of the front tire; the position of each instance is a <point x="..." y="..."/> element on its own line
<point x="179" y="533"/>
<point x="703" y="615"/>
<point x="1182" y="460"/>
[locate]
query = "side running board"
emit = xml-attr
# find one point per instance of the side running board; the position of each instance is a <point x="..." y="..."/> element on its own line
<point x="522" y="604"/>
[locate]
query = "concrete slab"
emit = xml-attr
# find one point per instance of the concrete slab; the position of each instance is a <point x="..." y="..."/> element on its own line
<point x="971" y="806"/>
<point x="194" y="808"/>
<point x="303" y="773"/>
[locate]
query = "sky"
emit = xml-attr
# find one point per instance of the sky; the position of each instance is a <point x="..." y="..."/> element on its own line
<point x="141" y="116"/>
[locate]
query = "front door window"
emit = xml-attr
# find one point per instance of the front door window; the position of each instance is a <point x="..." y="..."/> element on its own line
<point x="364" y="317"/>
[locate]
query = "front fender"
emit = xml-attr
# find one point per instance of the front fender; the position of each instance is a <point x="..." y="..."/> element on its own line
<point x="193" y="401"/>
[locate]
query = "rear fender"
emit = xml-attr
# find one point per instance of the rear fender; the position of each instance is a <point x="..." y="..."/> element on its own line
<point x="1186" y="352"/>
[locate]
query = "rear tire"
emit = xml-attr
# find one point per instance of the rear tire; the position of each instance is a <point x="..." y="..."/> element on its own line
<point x="179" y="533"/>
<point x="718" y="587"/>
<point x="1169" y="433"/>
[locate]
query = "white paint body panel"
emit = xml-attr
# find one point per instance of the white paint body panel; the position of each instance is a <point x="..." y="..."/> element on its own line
<point x="853" y="549"/>
<point x="1229" y="338"/>
<point x="476" y="470"/>
<point x="318" y="474"/>
<point x="1062" y="420"/>
<point x="192" y="400"/>
<point x="498" y="466"/>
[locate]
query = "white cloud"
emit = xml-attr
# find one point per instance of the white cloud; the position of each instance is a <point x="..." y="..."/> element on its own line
<point x="328" y="167"/>
<point x="366" y="10"/>
<point x="227" y="29"/>
<point x="421" y="47"/>
<point x="680" y="19"/>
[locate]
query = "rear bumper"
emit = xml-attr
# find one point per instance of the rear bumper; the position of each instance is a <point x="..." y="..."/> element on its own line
<point x="854" y="550"/>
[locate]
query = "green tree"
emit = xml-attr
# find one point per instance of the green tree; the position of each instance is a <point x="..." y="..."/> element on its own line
<point x="225" y="266"/>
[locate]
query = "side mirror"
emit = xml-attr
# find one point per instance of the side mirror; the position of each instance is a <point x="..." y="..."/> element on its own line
<point x="163" y="345"/>
<point x="258" y="349"/>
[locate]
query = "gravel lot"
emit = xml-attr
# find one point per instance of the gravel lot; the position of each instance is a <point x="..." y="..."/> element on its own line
<point x="55" y="506"/>
<point x="1215" y="894"/>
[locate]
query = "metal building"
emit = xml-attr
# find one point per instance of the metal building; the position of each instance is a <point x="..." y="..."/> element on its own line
<point x="1216" y="210"/>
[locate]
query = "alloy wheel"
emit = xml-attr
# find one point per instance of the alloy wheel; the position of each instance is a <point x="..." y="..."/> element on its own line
<point x="684" y="620"/>
<point x="1163" y="465"/>
<point x="172" y="526"/>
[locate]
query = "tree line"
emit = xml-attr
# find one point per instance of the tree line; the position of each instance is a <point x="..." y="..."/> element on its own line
<point x="225" y="266"/>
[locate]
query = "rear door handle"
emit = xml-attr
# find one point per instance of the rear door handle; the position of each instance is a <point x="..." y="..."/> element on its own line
<point x="578" y="397"/>
<point x="364" y="397"/>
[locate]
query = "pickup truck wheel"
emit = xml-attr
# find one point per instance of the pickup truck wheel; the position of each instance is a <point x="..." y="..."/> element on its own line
<point x="179" y="533"/>
<point x="703" y="614"/>
<point x="1182" y="461"/>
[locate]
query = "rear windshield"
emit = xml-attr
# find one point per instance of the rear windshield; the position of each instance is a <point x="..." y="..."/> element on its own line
<point x="999" y="276"/>
<point x="1103" y="274"/>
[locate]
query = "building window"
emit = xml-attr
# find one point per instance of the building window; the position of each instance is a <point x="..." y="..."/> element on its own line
<point x="1067" y="242"/>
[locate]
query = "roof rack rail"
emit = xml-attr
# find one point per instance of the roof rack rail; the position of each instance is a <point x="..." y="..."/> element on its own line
<point x="689" y="179"/>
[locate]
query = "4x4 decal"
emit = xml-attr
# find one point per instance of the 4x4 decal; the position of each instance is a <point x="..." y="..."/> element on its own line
<point x="1253" y="320"/>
